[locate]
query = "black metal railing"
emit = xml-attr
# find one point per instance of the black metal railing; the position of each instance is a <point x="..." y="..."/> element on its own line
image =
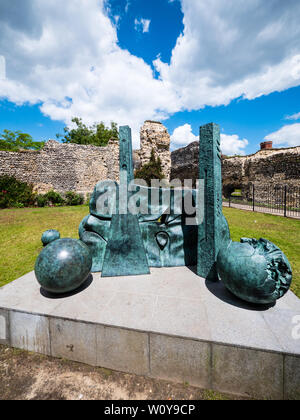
<point x="283" y="200"/>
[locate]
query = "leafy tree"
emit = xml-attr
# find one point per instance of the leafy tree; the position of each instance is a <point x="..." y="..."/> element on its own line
<point x="13" y="141"/>
<point x="151" y="170"/>
<point x="97" y="134"/>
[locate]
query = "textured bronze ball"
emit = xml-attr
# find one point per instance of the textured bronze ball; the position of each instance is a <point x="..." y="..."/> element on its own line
<point x="256" y="271"/>
<point x="50" y="236"/>
<point x="63" y="266"/>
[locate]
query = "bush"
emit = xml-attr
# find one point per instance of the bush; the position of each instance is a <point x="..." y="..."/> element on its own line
<point x="41" y="200"/>
<point x="52" y="199"/>
<point x="87" y="199"/>
<point x="14" y="193"/>
<point x="73" y="199"/>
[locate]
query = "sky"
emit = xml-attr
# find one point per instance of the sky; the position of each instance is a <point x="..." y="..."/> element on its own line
<point x="182" y="62"/>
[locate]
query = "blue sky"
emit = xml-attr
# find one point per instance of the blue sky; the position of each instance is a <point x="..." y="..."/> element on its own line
<point x="183" y="62"/>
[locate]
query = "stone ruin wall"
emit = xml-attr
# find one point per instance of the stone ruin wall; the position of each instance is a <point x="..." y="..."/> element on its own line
<point x="154" y="135"/>
<point x="73" y="167"/>
<point x="185" y="163"/>
<point x="63" y="167"/>
<point x="263" y="169"/>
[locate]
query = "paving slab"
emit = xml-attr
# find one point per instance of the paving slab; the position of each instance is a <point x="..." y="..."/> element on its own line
<point x="123" y="350"/>
<point x="181" y="360"/>
<point x="247" y="372"/>
<point x="291" y="378"/>
<point x="168" y="323"/>
<point x="73" y="340"/>
<point x="30" y="332"/>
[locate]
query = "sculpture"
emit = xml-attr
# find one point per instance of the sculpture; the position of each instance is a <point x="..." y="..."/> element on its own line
<point x="166" y="238"/>
<point x="50" y="236"/>
<point x="213" y="231"/>
<point x="118" y="242"/>
<point x="256" y="271"/>
<point x="125" y="253"/>
<point x="63" y="266"/>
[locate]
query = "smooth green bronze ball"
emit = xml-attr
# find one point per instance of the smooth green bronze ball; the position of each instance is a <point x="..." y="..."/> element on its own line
<point x="50" y="236"/>
<point x="63" y="266"/>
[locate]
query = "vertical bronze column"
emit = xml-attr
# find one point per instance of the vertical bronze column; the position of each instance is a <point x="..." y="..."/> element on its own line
<point x="210" y="175"/>
<point x="125" y="253"/>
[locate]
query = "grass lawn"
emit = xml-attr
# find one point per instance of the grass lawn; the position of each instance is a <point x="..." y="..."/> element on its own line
<point x="21" y="230"/>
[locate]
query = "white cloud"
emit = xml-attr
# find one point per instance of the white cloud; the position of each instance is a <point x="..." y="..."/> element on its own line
<point x="142" y="24"/>
<point x="2" y="68"/>
<point x="288" y="135"/>
<point x="127" y="6"/>
<point x="57" y="50"/>
<point x="182" y="136"/>
<point x="234" y="48"/>
<point x="83" y="62"/>
<point x="230" y="144"/>
<point x="293" y="117"/>
<point x="233" y="145"/>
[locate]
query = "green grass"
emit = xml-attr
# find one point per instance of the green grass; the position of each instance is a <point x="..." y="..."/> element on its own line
<point x="21" y="230"/>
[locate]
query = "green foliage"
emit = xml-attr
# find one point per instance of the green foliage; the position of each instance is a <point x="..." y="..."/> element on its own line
<point x="13" y="141"/>
<point x="17" y="194"/>
<point x="41" y="200"/>
<point x="14" y="193"/>
<point x="52" y="198"/>
<point x="88" y="199"/>
<point x="97" y="134"/>
<point x="151" y="170"/>
<point x="73" y="199"/>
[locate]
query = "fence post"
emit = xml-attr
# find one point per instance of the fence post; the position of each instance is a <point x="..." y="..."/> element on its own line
<point x="230" y="200"/>
<point x="253" y="196"/>
<point x="285" y="196"/>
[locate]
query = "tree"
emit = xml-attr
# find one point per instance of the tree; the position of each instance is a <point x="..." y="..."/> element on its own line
<point x="13" y="141"/>
<point x="97" y="134"/>
<point x="151" y="170"/>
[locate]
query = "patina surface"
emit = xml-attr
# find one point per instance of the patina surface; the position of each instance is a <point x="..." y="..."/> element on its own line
<point x="125" y="252"/>
<point x="63" y="266"/>
<point x="213" y="231"/>
<point x="254" y="270"/>
<point x="50" y="236"/>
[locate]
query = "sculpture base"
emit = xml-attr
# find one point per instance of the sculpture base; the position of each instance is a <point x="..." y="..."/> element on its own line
<point x="170" y="324"/>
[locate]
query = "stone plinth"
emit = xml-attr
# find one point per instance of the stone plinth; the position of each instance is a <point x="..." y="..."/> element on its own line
<point x="170" y="324"/>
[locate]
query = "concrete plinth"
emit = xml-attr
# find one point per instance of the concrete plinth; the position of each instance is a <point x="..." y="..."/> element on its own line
<point x="170" y="324"/>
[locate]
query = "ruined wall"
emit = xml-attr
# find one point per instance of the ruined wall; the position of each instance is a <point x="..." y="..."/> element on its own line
<point x="154" y="135"/>
<point x="63" y="167"/>
<point x="264" y="168"/>
<point x="72" y="167"/>
<point x="185" y="162"/>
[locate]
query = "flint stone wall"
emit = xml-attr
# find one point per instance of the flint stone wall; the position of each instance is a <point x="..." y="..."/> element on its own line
<point x="263" y="169"/>
<point x="63" y="167"/>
